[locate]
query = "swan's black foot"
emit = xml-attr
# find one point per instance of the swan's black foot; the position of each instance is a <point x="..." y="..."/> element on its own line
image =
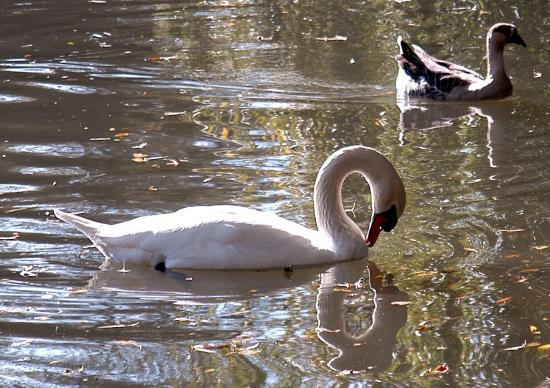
<point x="161" y="267"/>
<point x="288" y="271"/>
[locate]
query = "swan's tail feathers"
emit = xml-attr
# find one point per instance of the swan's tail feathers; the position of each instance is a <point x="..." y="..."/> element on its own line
<point x="88" y="227"/>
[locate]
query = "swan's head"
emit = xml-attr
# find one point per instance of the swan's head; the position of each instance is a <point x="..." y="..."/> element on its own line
<point x="388" y="207"/>
<point x="504" y="33"/>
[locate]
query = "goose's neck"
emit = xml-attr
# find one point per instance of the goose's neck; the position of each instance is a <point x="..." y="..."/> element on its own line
<point x="495" y="59"/>
<point x="331" y="218"/>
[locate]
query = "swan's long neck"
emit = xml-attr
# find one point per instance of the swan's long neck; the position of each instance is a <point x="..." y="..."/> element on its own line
<point x="331" y="218"/>
<point x="495" y="58"/>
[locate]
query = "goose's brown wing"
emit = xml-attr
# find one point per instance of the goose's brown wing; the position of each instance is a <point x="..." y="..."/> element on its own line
<point x="441" y="77"/>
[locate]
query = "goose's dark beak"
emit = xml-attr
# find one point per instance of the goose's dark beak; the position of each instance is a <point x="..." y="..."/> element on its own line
<point x="385" y="221"/>
<point x="515" y="38"/>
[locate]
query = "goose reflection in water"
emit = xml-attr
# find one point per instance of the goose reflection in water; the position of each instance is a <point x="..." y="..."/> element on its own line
<point x="373" y="350"/>
<point x="424" y="115"/>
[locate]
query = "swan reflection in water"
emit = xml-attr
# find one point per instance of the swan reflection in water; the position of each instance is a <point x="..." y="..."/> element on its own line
<point x="370" y="351"/>
<point x="373" y="350"/>
<point x="423" y="115"/>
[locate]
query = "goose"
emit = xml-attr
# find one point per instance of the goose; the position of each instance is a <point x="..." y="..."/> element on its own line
<point x="228" y="237"/>
<point x="425" y="76"/>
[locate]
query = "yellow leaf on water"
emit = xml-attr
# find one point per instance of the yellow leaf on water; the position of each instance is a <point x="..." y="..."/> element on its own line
<point x="122" y="134"/>
<point x="534" y="329"/>
<point x="544" y="348"/>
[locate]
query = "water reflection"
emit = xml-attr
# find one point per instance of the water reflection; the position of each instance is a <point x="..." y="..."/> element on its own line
<point x="373" y="350"/>
<point x="422" y="115"/>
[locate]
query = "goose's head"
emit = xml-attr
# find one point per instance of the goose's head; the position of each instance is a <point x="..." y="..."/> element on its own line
<point x="505" y="33"/>
<point x="388" y="207"/>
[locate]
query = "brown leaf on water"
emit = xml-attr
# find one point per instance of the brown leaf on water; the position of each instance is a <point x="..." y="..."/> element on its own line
<point x="526" y="270"/>
<point x="534" y="330"/>
<point x="512" y="255"/>
<point x="424" y="327"/>
<point x="79" y="291"/>
<point x="158" y="58"/>
<point x="122" y="134"/>
<point x="470" y="250"/>
<point x="513" y="348"/>
<point x="544" y="348"/>
<point x="14" y="236"/>
<point x="504" y="300"/>
<point x="439" y="369"/>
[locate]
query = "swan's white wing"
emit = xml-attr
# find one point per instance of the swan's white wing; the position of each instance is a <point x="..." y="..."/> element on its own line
<point x="215" y="237"/>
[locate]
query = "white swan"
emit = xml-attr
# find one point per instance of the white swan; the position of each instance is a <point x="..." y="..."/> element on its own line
<point x="233" y="237"/>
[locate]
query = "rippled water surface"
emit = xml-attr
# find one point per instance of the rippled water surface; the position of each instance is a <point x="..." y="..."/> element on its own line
<point x="119" y="109"/>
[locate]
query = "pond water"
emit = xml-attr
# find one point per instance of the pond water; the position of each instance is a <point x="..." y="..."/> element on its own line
<point x="119" y="109"/>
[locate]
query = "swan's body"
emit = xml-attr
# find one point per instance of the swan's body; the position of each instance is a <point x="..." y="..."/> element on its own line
<point x="425" y="76"/>
<point x="233" y="237"/>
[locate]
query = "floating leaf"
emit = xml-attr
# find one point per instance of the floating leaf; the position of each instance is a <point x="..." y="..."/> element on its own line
<point x="140" y="146"/>
<point x="128" y="342"/>
<point x="470" y="250"/>
<point x="534" y="330"/>
<point x="333" y="38"/>
<point x="139" y="157"/>
<point x="504" y="300"/>
<point x="544" y="348"/>
<point x="174" y="113"/>
<point x="152" y="188"/>
<point x="100" y="139"/>
<point x="513" y="348"/>
<point x="511" y="230"/>
<point x="14" y="235"/>
<point x="424" y="327"/>
<point x="440" y="369"/>
<point x="119" y="326"/>
<point x="324" y="330"/>
<point x="122" y="134"/>
<point x="401" y="303"/>
<point x="529" y="270"/>
<point x="541" y="247"/>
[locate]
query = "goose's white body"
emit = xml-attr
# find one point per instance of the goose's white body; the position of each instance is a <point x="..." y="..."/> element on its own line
<point x="233" y="237"/>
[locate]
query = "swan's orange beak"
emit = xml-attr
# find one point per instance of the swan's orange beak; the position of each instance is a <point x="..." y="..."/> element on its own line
<point x="374" y="229"/>
<point x="381" y="221"/>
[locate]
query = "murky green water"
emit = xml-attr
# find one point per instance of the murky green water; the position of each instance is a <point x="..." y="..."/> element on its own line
<point x="122" y="109"/>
